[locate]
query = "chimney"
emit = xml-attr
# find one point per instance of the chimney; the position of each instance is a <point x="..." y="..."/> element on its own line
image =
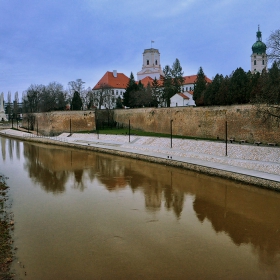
<point x="115" y="74"/>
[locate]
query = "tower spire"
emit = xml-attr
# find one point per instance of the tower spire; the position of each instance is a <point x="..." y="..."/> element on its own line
<point x="259" y="34"/>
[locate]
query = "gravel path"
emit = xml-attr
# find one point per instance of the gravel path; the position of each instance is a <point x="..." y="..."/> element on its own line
<point x="264" y="159"/>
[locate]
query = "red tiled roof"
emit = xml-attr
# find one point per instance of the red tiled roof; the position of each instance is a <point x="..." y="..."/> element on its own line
<point x="192" y="79"/>
<point x="108" y="79"/>
<point x="146" y="80"/>
<point x="187" y="80"/>
<point x="183" y="95"/>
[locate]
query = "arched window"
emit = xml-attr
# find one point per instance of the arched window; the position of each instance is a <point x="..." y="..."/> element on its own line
<point x="148" y="62"/>
<point x="156" y="62"/>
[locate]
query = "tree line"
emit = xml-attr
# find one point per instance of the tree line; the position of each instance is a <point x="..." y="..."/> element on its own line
<point x="241" y="88"/>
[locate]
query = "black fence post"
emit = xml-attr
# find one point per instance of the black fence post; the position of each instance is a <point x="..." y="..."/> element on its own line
<point x="171" y="121"/>
<point x="129" y="130"/>
<point x="226" y="138"/>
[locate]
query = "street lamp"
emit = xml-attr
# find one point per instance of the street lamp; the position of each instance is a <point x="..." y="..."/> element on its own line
<point x="226" y="138"/>
<point x="171" y="121"/>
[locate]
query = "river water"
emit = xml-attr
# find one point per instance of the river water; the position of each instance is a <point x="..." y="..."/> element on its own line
<point x="86" y="215"/>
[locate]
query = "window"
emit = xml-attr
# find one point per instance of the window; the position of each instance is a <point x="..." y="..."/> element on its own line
<point x="112" y="91"/>
<point x="156" y="62"/>
<point x="148" y="61"/>
<point x="186" y="88"/>
<point x="255" y="62"/>
<point x="121" y="93"/>
<point x="263" y="62"/>
<point x="183" y="89"/>
<point x="117" y="92"/>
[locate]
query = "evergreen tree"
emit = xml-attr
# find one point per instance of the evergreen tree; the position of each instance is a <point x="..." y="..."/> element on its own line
<point x="156" y="93"/>
<point x="119" y="103"/>
<point x="131" y="87"/>
<point x="239" y="88"/>
<point x="168" y="90"/>
<point x="212" y="89"/>
<point x="254" y="84"/>
<point x="199" y="88"/>
<point x="77" y="101"/>
<point x="172" y="80"/>
<point x="267" y="101"/>
<point x="177" y="75"/>
<point x="221" y="97"/>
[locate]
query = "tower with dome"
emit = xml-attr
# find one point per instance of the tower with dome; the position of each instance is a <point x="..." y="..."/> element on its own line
<point x="259" y="56"/>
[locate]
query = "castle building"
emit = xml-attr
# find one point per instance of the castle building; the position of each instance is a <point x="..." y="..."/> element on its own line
<point x="259" y="56"/>
<point x="151" y="65"/>
<point x="114" y="83"/>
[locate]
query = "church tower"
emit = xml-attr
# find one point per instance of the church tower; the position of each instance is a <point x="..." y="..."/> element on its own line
<point x="151" y="65"/>
<point x="258" y="57"/>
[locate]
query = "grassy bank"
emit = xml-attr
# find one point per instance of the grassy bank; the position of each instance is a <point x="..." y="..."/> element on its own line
<point x="6" y="225"/>
<point x="125" y="131"/>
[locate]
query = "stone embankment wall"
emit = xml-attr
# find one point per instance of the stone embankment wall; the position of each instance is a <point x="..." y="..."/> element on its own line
<point x="243" y="122"/>
<point x="54" y="123"/>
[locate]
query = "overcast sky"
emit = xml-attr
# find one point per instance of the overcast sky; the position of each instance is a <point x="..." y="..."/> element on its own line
<point x="63" y="40"/>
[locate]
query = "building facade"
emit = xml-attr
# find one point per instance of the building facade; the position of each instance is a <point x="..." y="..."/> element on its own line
<point x="111" y="86"/>
<point x="151" y="65"/>
<point x="259" y="56"/>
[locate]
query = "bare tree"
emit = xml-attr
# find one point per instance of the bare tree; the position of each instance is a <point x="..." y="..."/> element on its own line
<point x="77" y="86"/>
<point x="273" y="45"/>
<point x="267" y="100"/>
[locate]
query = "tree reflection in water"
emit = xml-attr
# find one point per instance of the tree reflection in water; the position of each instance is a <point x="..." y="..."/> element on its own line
<point x="248" y="215"/>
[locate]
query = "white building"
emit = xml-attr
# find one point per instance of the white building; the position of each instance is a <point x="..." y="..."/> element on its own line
<point x="112" y="85"/>
<point x="182" y="99"/>
<point x="259" y="56"/>
<point x="151" y="65"/>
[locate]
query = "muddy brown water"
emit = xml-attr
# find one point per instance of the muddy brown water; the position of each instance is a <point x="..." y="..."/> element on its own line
<point x="86" y="215"/>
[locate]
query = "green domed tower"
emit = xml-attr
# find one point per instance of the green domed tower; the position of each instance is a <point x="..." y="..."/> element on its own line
<point x="258" y="57"/>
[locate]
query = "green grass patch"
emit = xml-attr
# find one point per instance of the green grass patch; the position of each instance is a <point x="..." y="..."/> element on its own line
<point x="124" y="131"/>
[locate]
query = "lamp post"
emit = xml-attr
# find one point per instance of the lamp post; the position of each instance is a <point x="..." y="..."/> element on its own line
<point x="129" y="131"/>
<point x="171" y="121"/>
<point x="97" y="128"/>
<point x="226" y="138"/>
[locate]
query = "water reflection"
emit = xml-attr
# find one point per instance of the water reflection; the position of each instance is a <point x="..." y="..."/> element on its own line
<point x="246" y="214"/>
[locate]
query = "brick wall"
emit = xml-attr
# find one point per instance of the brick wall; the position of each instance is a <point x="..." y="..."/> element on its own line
<point x="204" y="122"/>
<point x="243" y="122"/>
<point x="54" y="123"/>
